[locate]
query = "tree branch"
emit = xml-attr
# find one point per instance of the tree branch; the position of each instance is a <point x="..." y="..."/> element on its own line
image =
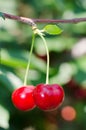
<point x="33" y="21"/>
<point x="74" y="21"/>
<point x="21" y="19"/>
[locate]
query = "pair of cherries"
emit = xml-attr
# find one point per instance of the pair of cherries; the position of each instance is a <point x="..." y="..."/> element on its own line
<point x="45" y="96"/>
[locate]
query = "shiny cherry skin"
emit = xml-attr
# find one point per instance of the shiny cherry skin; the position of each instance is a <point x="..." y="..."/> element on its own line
<point x="22" y="98"/>
<point x="48" y="97"/>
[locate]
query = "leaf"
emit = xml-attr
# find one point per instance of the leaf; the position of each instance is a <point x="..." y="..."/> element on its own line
<point x="2" y="15"/>
<point x="4" y="118"/>
<point x="12" y="58"/>
<point x="9" y="79"/>
<point x="61" y="77"/>
<point x="52" y="29"/>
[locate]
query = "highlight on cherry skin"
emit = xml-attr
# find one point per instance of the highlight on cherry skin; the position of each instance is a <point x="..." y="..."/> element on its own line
<point x="48" y="97"/>
<point x="22" y="98"/>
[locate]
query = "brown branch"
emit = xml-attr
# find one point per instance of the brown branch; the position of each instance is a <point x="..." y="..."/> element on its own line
<point x="33" y="21"/>
<point x="21" y="19"/>
<point x="75" y="20"/>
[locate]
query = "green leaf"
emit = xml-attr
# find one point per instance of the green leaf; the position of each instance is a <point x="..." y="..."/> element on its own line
<point x="5" y="118"/>
<point x="2" y="15"/>
<point x="52" y="29"/>
<point x="9" y="79"/>
<point x="61" y="77"/>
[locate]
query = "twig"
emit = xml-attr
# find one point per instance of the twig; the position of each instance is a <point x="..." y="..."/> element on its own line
<point x="33" y="21"/>
<point x="74" y="21"/>
<point x="21" y="19"/>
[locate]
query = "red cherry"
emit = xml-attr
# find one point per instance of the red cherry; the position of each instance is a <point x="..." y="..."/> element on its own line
<point x="48" y="97"/>
<point x="22" y="98"/>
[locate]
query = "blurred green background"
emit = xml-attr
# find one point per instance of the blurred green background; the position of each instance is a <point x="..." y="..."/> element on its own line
<point x="67" y="64"/>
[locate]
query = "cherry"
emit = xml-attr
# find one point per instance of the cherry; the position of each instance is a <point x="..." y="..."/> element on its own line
<point x="22" y="98"/>
<point x="48" y="97"/>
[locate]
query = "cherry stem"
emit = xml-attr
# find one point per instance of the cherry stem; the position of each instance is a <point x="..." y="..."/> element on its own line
<point x="29" y="60"/>
<point x="44" y="41"/>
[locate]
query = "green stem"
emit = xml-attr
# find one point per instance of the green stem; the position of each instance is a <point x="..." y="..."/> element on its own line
<point x="0" y="56"/>
<point x="28" y="65"/>
<point x="47" y="72"/>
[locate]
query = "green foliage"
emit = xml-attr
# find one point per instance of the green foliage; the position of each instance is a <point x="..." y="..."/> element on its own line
<point x="52" y="29"/>
<point x="66" y="67"/>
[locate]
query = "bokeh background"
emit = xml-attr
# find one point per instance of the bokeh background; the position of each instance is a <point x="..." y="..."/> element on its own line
<point x="67" y="64"/>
